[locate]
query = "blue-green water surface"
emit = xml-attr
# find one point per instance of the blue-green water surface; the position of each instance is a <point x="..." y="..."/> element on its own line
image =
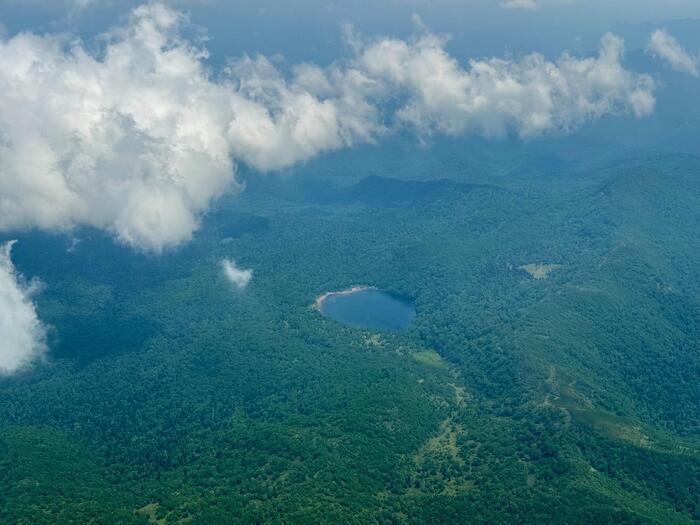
<point x="369" y="308"/>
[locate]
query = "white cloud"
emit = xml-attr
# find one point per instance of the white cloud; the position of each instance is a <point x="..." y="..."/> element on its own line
<point x="494" y="97"/>
<point x="519" y="4"/>
<point x="664" y="46"/>
<point x="138" y="139"/>
<point x="23" y="336"/>
<point x="277" y="122"/>
<point x="239" y="277"/>
<point x="132" y="142"/>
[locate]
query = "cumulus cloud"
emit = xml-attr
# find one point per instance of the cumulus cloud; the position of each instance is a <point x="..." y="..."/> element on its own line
<point x="23" y="336"/>
<point x="139" y="138"/>
<point x="494" y="97"/>
<point x="237" y="276"/>
<point x="663" y="46"/>
<point x="519" y="4"/>
<point x="131" y="142"/>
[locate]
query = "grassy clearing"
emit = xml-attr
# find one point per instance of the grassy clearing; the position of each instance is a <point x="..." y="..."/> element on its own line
<point x="539" y="271"/>
<point x="151" y="510"/>
<point x="430" y="358"/>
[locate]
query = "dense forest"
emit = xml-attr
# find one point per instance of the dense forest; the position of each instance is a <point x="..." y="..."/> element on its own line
<point x="550" y="375"/>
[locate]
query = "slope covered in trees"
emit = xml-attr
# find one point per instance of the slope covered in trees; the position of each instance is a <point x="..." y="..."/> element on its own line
<point x="172" y="397"/>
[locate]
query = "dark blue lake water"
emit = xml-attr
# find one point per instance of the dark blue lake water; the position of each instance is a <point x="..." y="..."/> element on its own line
<point x="373" y="309"/>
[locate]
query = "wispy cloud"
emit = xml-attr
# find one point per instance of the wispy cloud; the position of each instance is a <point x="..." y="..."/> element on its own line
<point x="520" y="4"/>
<point x="23" y="337"/>
<point x="663" y="46"/>
<point x="235" y="275"/>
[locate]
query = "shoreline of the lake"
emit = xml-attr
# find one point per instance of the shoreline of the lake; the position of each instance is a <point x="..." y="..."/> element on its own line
<point x="318" y="303"/>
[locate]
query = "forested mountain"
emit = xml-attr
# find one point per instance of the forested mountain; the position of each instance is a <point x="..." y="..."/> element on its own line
<point x="550" y="375"/>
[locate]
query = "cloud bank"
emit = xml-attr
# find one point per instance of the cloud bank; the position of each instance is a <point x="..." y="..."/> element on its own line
<point x="494" y="97"/>
<point x="139" y="138"/>
<point x="663" y="46"/>
<point x="23" y="336"/>
<point x="235" y="275"/>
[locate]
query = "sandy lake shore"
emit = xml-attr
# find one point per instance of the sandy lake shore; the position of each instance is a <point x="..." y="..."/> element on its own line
<point x="318" y="303"/>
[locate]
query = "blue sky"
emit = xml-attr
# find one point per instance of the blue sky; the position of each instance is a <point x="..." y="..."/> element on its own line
<point x="309" y="29"/>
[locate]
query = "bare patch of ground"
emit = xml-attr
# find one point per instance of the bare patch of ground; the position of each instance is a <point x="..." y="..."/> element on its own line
<point x="539" y="271"/>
